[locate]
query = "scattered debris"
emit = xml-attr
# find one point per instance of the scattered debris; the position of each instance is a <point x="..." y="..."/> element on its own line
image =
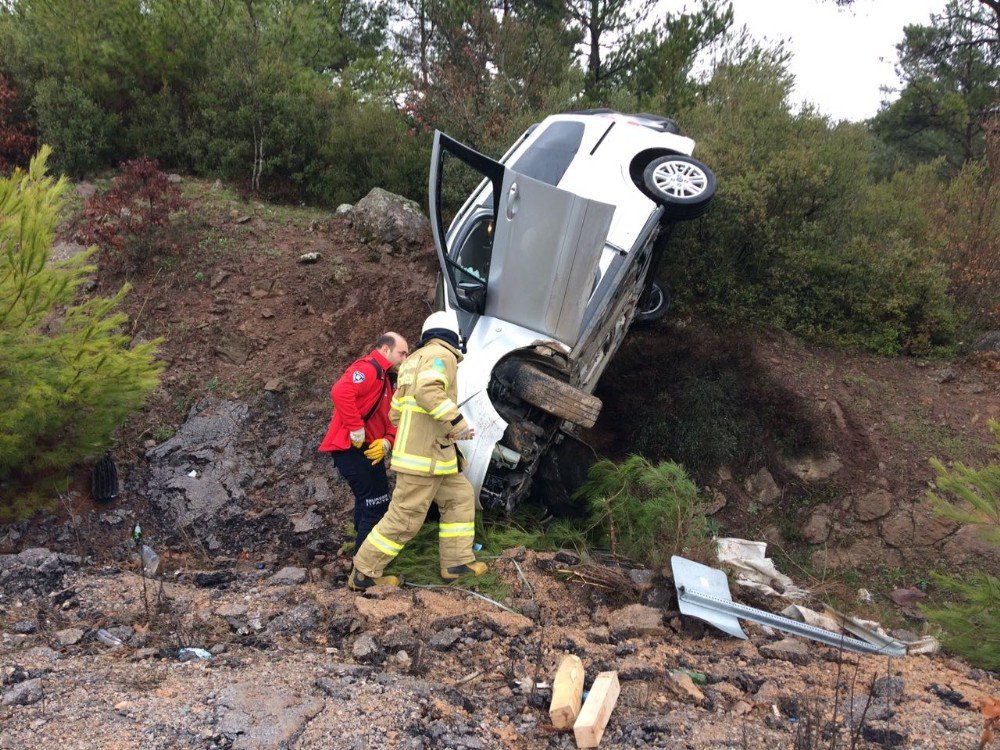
<point x="193" y="654"/>
<point x="612" y="580"/>
<point x="810" y="617"/>
<point x="754" y="569"/>
<point x="108" y="639"/>
<point x="684" y="686"/>
<point x="150" y="561"/>
<point x="567" y="692"/>
<point x="948" y="695"/>
<point x="703" y="592"/>
<point x="309" y="257"/>
<point x="590" y="724"/>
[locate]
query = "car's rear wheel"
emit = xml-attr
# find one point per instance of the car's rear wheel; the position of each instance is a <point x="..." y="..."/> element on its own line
<point x="551" y="394"/>
<point x="653" y="307"/>
<point x="682" y="185"/>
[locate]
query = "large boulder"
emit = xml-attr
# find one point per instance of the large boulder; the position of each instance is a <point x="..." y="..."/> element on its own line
<point x="989" y="342"/>
<point x="384" y="218"/>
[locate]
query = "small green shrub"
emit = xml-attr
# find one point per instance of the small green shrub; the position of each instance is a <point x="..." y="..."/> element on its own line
<point x="645" y="512"/>
<point x="971" y="622"/>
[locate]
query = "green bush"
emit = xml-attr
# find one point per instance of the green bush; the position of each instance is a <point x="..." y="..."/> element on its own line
<point x="971" y="622"/>
<point x="369" y="145"/>
<point x="80" y="132"/>
<point x="68" y="376"/>
<point x="801" y="236"/>
<point x="646" y="513"/>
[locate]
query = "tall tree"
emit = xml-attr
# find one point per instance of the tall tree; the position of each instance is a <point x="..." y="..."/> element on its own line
<point x="631" y="48"/>
<point x="614" y="34"/>
<point x="951" y="75"/>
<point x="479" y="68"/>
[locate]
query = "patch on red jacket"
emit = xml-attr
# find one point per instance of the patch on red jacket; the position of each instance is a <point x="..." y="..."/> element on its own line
<point x="358" y="376"/>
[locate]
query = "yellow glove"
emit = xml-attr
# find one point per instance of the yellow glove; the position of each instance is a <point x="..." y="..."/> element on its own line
<point x="377" y="450"/>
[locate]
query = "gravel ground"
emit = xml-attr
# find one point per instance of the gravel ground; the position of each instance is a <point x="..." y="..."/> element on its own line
<point x="311" y="665"/>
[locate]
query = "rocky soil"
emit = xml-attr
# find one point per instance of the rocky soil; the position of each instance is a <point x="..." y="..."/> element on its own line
<point x="93" y="656"/>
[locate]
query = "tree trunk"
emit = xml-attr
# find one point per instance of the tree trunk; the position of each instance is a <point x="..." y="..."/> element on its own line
<point x="594" y="27"/>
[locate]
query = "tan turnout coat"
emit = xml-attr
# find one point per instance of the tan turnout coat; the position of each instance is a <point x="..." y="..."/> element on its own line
<point x="425" y="412"/>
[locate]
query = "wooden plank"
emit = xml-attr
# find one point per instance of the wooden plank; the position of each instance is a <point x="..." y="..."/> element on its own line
<point x="593" y="718"/>
<point x="567" y="692"/>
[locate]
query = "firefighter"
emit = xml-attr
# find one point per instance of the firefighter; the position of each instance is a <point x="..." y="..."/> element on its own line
<point x="360" y="433"/>
<point x="427" y="462"/>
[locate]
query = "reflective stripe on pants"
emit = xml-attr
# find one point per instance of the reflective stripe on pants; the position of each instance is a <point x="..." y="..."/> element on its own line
<point x="408" y="509"/>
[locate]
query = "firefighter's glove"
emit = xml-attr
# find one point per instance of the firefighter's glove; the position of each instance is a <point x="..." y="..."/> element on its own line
<point x="358" y="437"/>
<point x="377" y="450"/>
<point x="466" y="433"/>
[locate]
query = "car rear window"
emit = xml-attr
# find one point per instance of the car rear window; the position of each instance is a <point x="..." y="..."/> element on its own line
<point x="548" y="158"/>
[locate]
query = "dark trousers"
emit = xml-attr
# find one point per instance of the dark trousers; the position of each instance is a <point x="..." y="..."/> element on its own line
<point x="370" y="486"/>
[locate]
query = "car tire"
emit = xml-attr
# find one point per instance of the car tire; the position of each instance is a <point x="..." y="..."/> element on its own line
<point x="682" y="185"/>
<point x="657" y="305"/>
<point x="551" y="394"/>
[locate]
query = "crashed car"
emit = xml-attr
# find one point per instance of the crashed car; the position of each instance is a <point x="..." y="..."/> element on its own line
<point x="547" y="263"/>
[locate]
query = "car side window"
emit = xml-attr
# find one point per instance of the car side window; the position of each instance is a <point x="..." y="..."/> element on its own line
<point x="474" y="248"/>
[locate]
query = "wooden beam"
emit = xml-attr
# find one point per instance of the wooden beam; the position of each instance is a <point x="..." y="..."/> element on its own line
<point x="593" y="718"/>
<point x="567" y="692"/>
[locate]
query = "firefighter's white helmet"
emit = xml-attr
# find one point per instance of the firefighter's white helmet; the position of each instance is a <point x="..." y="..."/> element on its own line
<point x="445" y="320"/>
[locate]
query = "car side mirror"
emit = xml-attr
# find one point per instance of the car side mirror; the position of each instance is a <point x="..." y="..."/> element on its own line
<point x="472" y="296"/>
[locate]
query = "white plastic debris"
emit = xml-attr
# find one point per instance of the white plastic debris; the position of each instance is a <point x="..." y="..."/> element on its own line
<point x="309" y="257"/>
<point x="190" y="654"/>
<point x="150" y="561"/>
<point x="754" y="569"/>
<point x="193" y="473"/>
<point x="811" y="617"/>
<point x="109" y="640"/>
<point x="865" y="596"/>
<point x="926" y="645"/>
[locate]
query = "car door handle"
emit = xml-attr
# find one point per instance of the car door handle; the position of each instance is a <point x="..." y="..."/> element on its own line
<point x="512" y="199"/>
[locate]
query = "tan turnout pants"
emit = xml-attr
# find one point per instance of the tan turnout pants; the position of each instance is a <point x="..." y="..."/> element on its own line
<point x="408" y="509"/>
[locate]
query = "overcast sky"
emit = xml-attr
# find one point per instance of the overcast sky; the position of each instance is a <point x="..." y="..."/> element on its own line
<point x="842" y="56"/>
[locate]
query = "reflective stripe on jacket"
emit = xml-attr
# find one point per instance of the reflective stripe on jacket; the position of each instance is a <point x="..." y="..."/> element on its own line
<point x="425" y="412"/>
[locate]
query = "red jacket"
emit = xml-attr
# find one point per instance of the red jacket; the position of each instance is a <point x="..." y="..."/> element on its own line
<point x="353" y="396"/>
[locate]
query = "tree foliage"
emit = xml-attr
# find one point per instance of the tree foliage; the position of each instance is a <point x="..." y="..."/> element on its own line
<point x="951" y="75"/>
<point x="801" y="235"/>
<point x="68" y="375"/>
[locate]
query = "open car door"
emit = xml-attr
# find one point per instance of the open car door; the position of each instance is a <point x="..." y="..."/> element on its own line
<point x="519" y="250"/>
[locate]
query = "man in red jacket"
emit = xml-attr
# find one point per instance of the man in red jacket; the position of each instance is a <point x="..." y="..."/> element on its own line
<point x="360" y="433"/>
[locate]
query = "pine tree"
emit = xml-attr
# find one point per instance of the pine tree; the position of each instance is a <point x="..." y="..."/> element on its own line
<point x="971" y="623"/>
<point x="645" y="512"/>
<point x="68" y="376"/>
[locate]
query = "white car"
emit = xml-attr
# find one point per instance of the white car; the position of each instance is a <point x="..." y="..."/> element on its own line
<point x="545" y="264"/>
